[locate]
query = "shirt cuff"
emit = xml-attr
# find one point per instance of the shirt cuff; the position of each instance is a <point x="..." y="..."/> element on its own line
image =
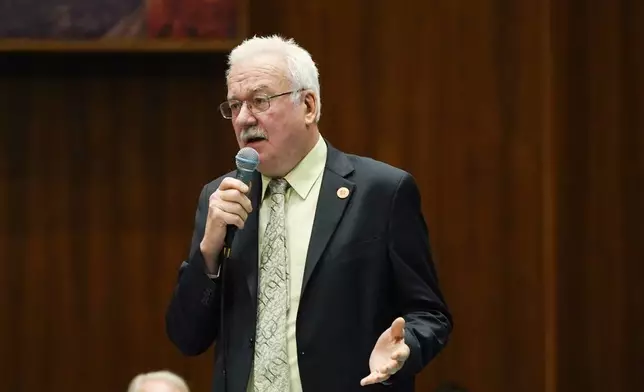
<point x="215" y="276"/>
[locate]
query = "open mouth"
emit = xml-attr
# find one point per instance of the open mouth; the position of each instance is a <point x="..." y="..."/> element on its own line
<point x="251" y="140"/>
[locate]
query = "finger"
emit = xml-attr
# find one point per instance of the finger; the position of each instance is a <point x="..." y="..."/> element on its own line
<point x="401" y="354"/>
<point x="390" y="368"/>
<point x="233" y="183"/>
<point x="229" y="214"/>
<point x="231" y="208"/>
<point x="235" y="196"/>
<point x="232" y="219"/>
<point x="374" y="378"/>
<point x="397" y="328"/>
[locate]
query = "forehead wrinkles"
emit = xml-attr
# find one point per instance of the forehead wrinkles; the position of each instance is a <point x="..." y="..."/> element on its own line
<point x="244" y="79"/>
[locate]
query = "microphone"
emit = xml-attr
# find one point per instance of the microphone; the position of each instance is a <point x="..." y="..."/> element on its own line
<point x="246" y="160"/>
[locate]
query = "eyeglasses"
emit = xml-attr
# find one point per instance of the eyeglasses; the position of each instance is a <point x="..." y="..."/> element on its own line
<point x="257" y="104"/>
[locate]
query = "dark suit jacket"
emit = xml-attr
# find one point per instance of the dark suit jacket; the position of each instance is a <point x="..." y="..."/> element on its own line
<point x="369" y="261"/>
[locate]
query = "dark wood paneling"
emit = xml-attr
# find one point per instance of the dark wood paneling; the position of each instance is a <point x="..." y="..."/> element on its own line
<point x="600" y="118"/>
<point x="104" y="157"/>
<point x="522" y="122"/>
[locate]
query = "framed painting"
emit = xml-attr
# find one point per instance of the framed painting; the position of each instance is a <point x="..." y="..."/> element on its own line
<point x="122" y="25"/>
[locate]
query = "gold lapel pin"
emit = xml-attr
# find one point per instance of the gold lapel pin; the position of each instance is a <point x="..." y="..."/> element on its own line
<point x="343" y="193"/>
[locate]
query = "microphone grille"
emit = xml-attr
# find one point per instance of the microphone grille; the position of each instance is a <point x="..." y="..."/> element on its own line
<point x="247" y="159"/>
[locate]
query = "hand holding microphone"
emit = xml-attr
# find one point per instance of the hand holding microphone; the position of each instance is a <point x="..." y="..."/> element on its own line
<point x="228" y="208"/>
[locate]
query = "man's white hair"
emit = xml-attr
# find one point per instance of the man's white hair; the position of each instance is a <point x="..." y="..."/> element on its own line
<point x="302" y="71"/>
<point x="164" y="375"/>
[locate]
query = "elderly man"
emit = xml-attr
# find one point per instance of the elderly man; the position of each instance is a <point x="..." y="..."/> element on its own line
<point x="160" y="381"/>
<point x="329" y="284"/>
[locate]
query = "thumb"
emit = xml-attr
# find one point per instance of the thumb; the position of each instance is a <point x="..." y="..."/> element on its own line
<point x="397" y="328"/>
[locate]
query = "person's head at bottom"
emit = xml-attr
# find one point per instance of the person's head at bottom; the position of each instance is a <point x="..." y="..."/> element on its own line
<point x="160" y="381"/>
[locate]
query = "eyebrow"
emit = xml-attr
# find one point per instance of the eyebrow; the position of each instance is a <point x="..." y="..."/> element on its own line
<point x="257" y="89"/>
<point x="261" y="87"/>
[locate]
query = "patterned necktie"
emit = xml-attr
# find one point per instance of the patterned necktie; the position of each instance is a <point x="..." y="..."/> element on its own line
<point x="271" y="368"/>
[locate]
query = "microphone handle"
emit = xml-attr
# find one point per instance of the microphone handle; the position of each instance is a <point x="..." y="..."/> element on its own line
<point x="244" y="176"/>
<point x="230" y="236"/>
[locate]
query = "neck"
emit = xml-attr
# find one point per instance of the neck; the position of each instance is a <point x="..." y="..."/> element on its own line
<point x="306" y="149"/>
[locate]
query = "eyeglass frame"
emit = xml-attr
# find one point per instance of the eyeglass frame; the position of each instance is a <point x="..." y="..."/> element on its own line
<point x="250" y="106"/>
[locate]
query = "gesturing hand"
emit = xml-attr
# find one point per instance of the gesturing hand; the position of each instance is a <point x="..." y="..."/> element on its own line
<point x="389" y="354"/>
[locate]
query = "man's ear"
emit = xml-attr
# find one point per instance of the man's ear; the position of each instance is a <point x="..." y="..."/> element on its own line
<point x="311" y="105"/>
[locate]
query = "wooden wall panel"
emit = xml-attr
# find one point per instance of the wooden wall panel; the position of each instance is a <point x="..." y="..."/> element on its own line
<point x="103" y="157"/>
<point x="599" y="114"/>
<point x="521" y="120"/>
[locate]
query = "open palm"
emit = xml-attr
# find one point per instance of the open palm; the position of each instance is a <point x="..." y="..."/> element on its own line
<point x="389" y="354"/>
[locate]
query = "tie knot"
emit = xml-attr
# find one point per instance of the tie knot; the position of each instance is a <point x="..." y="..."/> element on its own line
<point x="278" y="186"/>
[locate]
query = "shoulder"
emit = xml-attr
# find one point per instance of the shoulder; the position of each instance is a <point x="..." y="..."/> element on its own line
<point x="375" y="178"/>
<point x="369" y="166"/>
<point x="384" y="176"/>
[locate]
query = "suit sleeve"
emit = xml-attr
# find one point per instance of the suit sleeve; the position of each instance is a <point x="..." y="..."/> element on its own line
<point x="192" y="317"/>
<point x="428" y="322"/>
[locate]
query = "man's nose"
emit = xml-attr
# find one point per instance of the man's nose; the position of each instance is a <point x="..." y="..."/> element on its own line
<point x="245" y="116"/>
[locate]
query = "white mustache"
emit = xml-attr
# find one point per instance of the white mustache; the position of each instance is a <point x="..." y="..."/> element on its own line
<point x="253" y="133"/>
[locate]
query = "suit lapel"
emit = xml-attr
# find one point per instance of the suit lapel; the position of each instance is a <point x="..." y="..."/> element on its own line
<point x="244" y="248"/>
<point x="330" y="208"/>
